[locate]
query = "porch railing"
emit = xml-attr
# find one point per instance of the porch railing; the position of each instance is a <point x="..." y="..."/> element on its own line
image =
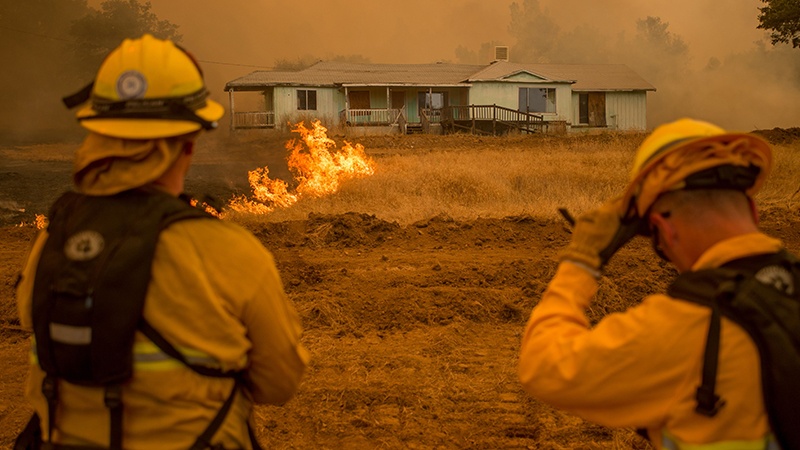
<point x="254" y="119"/>
<point x="496" y="114"/>
<point x="492" y="112"/>
<point x="371" y="116"/>
<point x="465" y="117"/>
<point x="432" y="115"/>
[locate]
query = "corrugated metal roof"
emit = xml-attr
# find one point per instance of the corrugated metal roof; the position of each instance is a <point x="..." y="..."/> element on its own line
<point x="331" y="73"/>
<point x="585" y="77"/>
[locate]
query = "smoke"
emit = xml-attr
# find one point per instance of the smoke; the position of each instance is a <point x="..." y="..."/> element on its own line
<point x="711" y="62"/>
<point x="727" y="73"/>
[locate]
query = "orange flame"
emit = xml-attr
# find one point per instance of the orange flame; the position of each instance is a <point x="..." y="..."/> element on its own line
<point x="315" y="164"/>
<point x="206" y="207"/>
<point x="40" y="222"/>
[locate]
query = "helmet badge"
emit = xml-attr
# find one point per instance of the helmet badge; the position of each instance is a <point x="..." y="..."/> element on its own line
<point x="131" y="84"/>
<point x="84" y="245"/>
<point x="777" y="277"/>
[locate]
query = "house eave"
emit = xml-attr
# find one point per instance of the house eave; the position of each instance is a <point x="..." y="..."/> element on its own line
<point x="262" y="86"/>
<point x="426" y="85"/>
<point x="585" y="90"/>
<point x="503" y="80"/>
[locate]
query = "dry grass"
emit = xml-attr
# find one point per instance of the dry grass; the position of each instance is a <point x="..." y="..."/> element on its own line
<point x="501" y="177"/>
<point x="782" y="189"/>
<point x="532" y="176"/>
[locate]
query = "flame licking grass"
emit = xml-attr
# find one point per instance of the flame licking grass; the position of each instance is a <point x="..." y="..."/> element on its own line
<point x="317" y="166"/>
<point x="200" y="204"/>
<point x="40" y="222"/>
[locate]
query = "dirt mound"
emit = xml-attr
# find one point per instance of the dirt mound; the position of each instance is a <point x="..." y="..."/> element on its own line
<point x="780" y="135"/>
<point x="414" y="329"/>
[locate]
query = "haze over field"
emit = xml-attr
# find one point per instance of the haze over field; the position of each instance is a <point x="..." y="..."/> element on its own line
<point x="706" y="59"/>
<point x="420" y="31"/>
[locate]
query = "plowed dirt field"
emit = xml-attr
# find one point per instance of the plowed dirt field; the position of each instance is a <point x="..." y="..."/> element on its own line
<point x="414" y="329"/>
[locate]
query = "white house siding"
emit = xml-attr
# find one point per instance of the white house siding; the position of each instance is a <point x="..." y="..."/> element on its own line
<point x="626" y="110"/>
<point x="286" y="106"/>
<point x="507" y="95"/>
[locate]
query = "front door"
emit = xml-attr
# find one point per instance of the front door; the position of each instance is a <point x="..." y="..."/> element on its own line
<point x="597" y="109"/>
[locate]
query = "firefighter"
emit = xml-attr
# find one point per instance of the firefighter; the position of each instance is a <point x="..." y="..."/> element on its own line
<point x="691" y="190"/>
<point x="211" y="331"/>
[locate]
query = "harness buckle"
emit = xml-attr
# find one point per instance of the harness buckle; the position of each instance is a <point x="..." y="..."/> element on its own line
<point x="113" y="396"/>
<point x="50" y="388"/>
<point x="708" y="403"/>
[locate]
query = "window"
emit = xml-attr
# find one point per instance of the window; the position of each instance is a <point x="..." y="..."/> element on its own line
<point x="538" y="100"/>
<point x="306" y="100"/>
<point x="434" y="100"/>
<point x="359" y="100"/>
<point x="431" y="100"/>
<point x="431" y="104"/>
<point x="583" y="108"/>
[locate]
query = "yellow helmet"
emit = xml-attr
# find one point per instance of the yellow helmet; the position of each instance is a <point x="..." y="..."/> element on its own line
<point x="147" y="88"/>
<point x="693" y="154"/>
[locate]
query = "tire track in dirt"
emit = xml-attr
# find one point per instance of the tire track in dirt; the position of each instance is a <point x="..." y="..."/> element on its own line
<point x="415" y="333"/>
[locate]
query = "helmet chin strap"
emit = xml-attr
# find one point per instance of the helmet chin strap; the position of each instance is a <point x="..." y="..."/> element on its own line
<point x="179" y="114"/>
<point x="80" y="97"/>
<point x="156" y="109"/>
<point x="654" y="234"/>
<point x="657" y="246"/>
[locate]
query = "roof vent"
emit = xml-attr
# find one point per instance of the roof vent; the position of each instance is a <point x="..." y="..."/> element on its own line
<point x="501" y="53"/>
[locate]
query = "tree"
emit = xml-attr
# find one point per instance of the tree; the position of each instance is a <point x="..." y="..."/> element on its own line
<point x="536" y="33"/>
<point x="306" y="61"/>
<point x="655" y="53"/>
<point x="38" y="67"/>
<point x="52" y="48"/>
<point x="100" y="31"/>
<point x="484" y="55"/>
<point x="657" y="36"/>
<point x="782" y="17"/>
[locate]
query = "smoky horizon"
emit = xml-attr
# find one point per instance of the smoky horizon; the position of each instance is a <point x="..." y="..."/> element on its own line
<point x="705" y="61"/>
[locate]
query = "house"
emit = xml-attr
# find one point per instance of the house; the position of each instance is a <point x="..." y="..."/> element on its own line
<point x="436" y="98"/>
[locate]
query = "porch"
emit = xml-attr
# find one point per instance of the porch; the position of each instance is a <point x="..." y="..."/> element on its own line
<point x="252" y="119"/>
<point x="475" y="119"/>
<point x="490" y="119"/>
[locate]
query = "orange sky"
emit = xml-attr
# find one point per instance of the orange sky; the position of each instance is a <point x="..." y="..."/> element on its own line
<point x="258" y="32"/>
<point x="235" y="37"/>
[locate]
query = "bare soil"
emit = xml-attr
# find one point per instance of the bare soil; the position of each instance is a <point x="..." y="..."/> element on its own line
<point x="414" y="330"/>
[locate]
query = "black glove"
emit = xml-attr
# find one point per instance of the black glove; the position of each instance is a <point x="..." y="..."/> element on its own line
<point x="599" y="233"/>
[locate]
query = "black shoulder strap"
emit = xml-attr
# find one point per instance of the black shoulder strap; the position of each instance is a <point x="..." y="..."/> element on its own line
<point x="768" y="309"/>
<point x="204" y="440"/>
<point x="707" y="288"/>
<point x="170" y="350"/>
<point x="141" y="214"/>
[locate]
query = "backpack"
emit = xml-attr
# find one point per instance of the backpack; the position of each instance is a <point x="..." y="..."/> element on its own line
<point x="760" y="294"/>
<point x="89" y="295"/>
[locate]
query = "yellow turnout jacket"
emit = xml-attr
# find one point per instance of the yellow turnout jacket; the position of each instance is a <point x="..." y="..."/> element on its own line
<point x="641" y="368"/>
<point x="216" y="296"/>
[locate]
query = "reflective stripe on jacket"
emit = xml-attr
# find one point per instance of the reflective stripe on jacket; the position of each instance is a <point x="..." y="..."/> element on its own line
<point x="641" y="368"/>
<point x="215" y="293"/>
<point x="669" y="442"/>
<point x="147" y="356"/>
